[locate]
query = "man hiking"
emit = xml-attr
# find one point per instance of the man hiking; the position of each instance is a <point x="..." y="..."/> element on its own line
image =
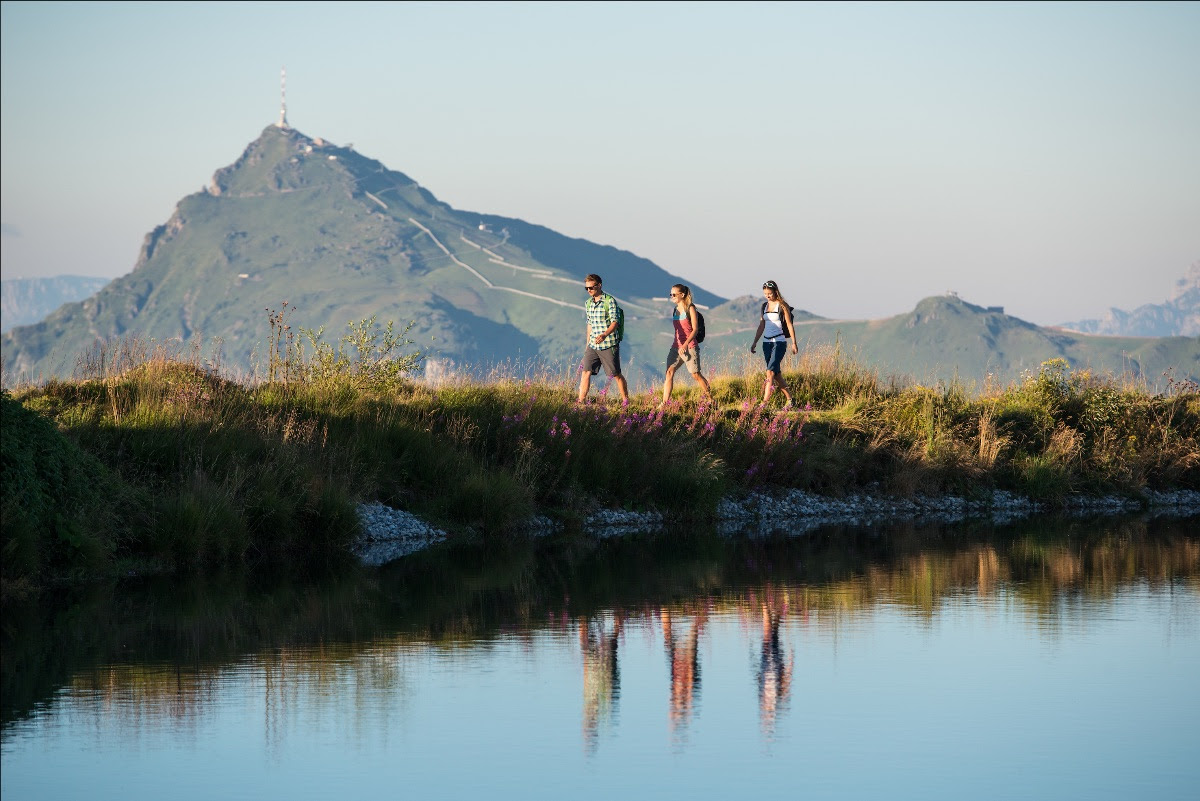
<point x="602" y="314"/>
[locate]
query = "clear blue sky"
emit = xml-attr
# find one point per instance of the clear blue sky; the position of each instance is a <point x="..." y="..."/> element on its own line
<point x="1044" y="157"/>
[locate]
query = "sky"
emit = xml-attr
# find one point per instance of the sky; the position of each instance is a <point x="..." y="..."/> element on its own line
<point x="1043" y="157"/>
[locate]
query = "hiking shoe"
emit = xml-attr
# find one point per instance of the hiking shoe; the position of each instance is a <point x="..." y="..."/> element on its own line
<point x="787" y="405"/>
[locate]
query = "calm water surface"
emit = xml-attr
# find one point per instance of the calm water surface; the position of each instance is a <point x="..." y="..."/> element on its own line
<point x="1050" y="660"/>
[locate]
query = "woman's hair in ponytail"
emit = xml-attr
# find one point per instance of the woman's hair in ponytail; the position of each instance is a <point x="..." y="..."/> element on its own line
<point x="685" y="294"/>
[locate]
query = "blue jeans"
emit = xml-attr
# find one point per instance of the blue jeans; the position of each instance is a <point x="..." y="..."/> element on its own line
<point x="773" y="354"/>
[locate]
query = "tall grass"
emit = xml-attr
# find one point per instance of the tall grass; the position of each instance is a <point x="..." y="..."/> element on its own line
<point x="264" y="469"/>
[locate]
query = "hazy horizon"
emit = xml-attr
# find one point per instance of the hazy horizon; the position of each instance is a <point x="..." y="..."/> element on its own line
<point x="1038" y="157"/>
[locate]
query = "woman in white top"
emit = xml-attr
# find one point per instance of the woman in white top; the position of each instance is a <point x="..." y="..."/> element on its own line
<point x="776" y="330"/>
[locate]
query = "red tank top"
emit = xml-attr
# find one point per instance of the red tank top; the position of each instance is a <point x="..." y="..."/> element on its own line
<point x="683" y="328"/>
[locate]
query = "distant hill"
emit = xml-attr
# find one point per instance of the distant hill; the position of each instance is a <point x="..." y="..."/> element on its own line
<point x="28" y="300"/>
<point x="1178" y="316"/>
<point x="945" y="337"/>
<point x="341" y="237"/>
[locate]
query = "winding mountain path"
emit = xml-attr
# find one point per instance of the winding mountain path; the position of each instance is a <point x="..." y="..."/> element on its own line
<point x="499" y="260"/>
<point x="482" y="278"/>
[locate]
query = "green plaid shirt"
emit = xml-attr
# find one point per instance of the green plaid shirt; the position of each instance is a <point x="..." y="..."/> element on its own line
<point x="600" y="315"/>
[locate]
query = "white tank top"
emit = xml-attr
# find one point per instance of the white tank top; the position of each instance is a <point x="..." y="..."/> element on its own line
<point x="774" y="325"/>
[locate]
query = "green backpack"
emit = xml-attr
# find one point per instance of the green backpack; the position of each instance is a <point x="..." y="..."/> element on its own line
<point x="620" y="332"/>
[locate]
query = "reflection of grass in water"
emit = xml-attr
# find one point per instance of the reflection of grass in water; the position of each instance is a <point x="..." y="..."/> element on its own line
<point x="452" y="598"/>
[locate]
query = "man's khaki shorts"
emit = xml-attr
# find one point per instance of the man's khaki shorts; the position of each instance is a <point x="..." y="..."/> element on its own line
<point x="689" y="357"/>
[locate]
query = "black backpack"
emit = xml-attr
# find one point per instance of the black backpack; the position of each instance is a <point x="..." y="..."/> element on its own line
<point x="782" y="323"/>
<point x="699" y="327"/>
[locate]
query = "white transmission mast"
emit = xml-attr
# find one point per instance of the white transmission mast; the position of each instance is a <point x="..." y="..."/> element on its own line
<point x="282" y="98"/>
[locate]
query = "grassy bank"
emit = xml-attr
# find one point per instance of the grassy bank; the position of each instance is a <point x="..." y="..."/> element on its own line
<point x="165" y="464"/>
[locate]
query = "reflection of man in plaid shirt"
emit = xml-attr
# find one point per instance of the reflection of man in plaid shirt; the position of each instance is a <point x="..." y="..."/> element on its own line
<point x="603" y="348"/>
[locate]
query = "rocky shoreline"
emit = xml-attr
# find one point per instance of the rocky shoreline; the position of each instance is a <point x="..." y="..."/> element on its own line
<point x="389" y="534"/>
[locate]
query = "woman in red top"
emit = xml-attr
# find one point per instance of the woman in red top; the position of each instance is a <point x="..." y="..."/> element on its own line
<point x="684" y="349"/>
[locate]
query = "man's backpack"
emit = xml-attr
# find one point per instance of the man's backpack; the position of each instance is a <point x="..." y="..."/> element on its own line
<point x="699" y="327"/>
<point x="782" y="323"/>
<point x="620" y="332"/>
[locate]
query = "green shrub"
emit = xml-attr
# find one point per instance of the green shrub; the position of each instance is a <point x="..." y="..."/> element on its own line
<point x="60" y="505"/>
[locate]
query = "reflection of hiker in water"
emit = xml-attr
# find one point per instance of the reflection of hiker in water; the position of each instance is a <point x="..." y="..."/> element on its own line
<point x="601" y="678"/>
<point x="683" y="658"/>
<point x="774" y="668"/>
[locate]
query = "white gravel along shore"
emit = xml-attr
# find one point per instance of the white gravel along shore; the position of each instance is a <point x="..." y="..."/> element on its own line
<point x="390" y="534"/>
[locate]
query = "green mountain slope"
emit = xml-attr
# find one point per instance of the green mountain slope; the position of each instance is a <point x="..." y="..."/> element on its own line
<point x="340" y="237"/>
<point x="945" y="337"/>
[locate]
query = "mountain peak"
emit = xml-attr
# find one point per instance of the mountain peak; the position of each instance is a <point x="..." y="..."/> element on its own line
<point x="950" y="303"/>
<point x="1178" y="316"/>
<point x="340" y="236"/>
<point x="1187" y="288"/>
<point x="276" y="161"/>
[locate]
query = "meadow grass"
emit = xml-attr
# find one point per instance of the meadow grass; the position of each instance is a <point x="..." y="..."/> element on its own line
<point x="208" y="470"/>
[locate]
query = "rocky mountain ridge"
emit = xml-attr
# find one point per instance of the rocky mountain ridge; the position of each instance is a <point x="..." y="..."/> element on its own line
<point x="1178" y="315"/>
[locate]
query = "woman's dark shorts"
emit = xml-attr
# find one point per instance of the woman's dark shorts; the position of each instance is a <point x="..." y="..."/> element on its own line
<point x="773" y="354"/>
<point x="609" y="357"/>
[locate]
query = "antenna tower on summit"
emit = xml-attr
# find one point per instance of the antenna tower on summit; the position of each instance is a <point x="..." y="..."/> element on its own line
<point x="282" y="98"/>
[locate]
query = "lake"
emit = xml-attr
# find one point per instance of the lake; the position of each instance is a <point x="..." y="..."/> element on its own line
<point x="1045" y="659"/>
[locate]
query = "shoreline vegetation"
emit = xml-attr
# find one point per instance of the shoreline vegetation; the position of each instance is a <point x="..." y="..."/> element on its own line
<point x="151" y="460"/>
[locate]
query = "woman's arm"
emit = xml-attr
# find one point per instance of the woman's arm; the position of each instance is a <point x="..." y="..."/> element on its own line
<point x="761" y="325"/>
